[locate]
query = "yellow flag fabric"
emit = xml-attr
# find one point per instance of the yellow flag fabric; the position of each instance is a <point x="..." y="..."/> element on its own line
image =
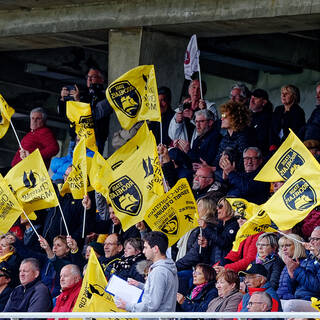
<point x="80" y="116"/>
<point x="6" y="114"/>
<point x="175" y="213"/>
<point x="315" y="303"/>
<point x="10" y="209"/>
<point x="295" y="199"/>
<point x="92" y="296"/>
<point x="30" y="182"/>
<point x="257" y="220"/>
<point x="134" y="96"/>
<point x="123" y="153"/>
<point x="136" y="183"/>
<point x="291" y="154"/>
<point x="77" y="182"/>
<point x="98" y="173"/>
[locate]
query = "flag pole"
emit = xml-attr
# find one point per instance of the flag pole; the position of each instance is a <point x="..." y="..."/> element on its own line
<point x="64" y="220"/>
<point x="84" y="221"/>
<point x="32" y="226"/>
<point x="289" y="237"/>
<point x="201" y="239"/>
<point x="15" y="132"/>
<point x="200" y="82"/>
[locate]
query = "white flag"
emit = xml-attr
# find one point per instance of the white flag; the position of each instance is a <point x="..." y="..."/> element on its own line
<point x="191" y="58"/>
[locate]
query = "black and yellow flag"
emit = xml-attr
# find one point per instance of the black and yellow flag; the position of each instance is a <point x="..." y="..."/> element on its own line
<point x="128" y="149"/>
<point x="30" y="183"/>
<point x="136" y="183"/>
<point x="77" y="182"/>
<point x="291" y="155"/>
<point x="6" y="114"/>
<point x="175" y="213"/>
<point x="257" y="220"/>
<point x="134" y="96"/>
<point x="92" y="296"/>
<point x="295" y="199"/>
<point x="80" y="116"/>
<point x="10" y="209"/>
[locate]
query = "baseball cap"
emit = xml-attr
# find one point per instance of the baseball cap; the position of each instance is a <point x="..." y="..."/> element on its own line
<point x="255" y="269"/>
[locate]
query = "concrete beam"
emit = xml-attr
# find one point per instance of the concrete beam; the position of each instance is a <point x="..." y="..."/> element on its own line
<point x="227" y="16"/>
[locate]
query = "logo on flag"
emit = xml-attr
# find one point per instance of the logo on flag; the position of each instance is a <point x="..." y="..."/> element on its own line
<point x="86" y="122"/>
<point x="171" y="227"/>
<point x="126" y="97"/>
<point x="300" y="196"/>
<point x="288" y="163"/>
<point x="29" y="180"/>
<point x="126" y="196"/>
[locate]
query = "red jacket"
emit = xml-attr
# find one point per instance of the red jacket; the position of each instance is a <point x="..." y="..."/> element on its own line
<point x="67" y="299"/>
<point x="244" y="256"/>
<point x="311" y="221"/>
<point x="41" y="138"/>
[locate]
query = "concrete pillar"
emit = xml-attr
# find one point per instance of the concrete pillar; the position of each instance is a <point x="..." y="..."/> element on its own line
<point x="129" y="48"/>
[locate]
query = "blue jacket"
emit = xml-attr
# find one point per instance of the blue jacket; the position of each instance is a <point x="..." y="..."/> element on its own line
<point x="306" y="279"/>
<point x="34" y="297"/>
<point x="242" y="185"/>
<point x="285" y="291"/>
<point x="276" y="304"/>
<point x="201" y="301"/>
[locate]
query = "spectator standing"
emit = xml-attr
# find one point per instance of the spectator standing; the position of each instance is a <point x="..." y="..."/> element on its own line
<point x="40" y="137"/>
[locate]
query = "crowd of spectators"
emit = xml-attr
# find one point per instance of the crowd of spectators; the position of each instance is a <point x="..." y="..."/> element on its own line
<point x="220" y="156"/>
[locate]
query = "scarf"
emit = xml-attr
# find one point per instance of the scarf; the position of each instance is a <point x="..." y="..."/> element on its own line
<point x="6" y="256"/>
<point x="260" y="260"/>
<point x="197" y="289"/>
<point x="127" y="262"/>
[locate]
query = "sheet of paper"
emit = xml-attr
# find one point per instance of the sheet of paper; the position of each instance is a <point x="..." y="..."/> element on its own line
<point x="121" y="289"/>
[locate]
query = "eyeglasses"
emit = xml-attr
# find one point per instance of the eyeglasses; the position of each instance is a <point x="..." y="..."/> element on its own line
<point x="313" y="239"/>
<point x="220" y="206"/>
<point x="250" y="303"/>
<point x="197" y="273"/>
<point x="286" y="245"/>
<point x="223" y="115"/>
<point x="251" y="158"/>
<point x="263" y="245"/>
<point x="201" y="121"/>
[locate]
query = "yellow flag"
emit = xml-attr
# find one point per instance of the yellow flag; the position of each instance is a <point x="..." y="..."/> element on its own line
<point x="123" y="153"/>
<point x="134" y="96"/>
<point x="77" y="182"/>
<point x="30" y="182"/>
<point x="174" y="213"/>
<point x="136" y="183"/>
<point x="92" y="296"/>
<point x="295" y="199"/>
<point x="257" y="220"/>
<point x="98" y="173"/>
<point x="10" y="209"/>
<point x="315" y="303"/>
<point x="80" y="115"/>
<point x="291" y="155"/>
<point x="6" y="114"/>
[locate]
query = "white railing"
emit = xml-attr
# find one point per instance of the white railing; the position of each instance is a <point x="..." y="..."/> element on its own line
<point x="159" y="315"/>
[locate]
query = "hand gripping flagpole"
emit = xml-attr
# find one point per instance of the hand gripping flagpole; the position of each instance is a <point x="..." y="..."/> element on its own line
<point x="15" y="132"/>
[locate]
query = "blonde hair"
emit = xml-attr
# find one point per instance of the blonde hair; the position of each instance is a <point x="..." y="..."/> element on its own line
<point x="299" y="250"/>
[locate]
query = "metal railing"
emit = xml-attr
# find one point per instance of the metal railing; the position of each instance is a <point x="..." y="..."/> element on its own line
<point x="159" y="315"/>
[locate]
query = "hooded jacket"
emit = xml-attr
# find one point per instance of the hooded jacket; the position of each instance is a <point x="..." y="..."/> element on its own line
<point x="160" y="290"/>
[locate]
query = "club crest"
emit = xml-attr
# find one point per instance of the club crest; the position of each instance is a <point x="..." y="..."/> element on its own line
<point x="300" y="196"/>
<point x="126" y="98"/>
<point x="288" y="163"/>
<point x="171" y="227"/>
<point x="126" y="196"/>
